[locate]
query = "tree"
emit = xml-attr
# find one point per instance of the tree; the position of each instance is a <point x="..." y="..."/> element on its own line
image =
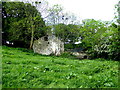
<point x="101" y="39"/>
<point x="62" y="24"/>
<point x="22" y="22"/>
<point x="69" y="18"/>
<point x="67" y="33"/>
<point x="109" y="44"/>
<point x="55" y="14"/>
<point x="41" y="6"/>
<point x="118" y="12"/>
<point x="91" y="31"/>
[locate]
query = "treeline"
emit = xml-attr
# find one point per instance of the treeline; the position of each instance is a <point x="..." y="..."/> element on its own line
<point x="101" y="39"/>
<point x="23" y="23"/>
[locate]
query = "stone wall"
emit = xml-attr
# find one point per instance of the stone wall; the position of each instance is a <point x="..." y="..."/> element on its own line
<point x="48" y="45"/>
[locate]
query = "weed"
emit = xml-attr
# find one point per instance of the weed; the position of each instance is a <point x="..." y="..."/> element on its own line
<point x="24" y="69"/>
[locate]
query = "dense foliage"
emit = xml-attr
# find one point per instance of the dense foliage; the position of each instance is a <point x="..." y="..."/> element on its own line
<point x="118" y="12"/>
<point x="22" y="68"/>
<point x="21" y="21"/>
<point x="67" y="33"/>
<point x="101" y="39"/>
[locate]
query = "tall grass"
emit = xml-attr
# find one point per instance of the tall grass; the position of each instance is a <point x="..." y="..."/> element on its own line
<point x="21" y="68"/>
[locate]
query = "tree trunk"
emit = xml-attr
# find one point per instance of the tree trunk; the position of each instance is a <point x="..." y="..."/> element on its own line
<point x="32" y="36"/>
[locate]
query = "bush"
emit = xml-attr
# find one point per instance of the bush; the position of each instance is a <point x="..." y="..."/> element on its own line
<point x="108" y="47"/>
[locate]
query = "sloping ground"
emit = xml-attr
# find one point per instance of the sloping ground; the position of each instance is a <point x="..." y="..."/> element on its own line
<point x="24" y="69"/>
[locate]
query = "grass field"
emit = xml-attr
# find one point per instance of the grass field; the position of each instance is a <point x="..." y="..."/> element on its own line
<point x="22" y="68"/>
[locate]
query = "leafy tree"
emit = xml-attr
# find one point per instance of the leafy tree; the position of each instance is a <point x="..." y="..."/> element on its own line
<point x="67" y="33"/>
<point x="108" y="46"/>
<point x="22" y="22"/>
<point x="101" y="39"/>
<point x="91" y="31"/>
<point x="118" y="12"/>
<point x="91" y="35"/>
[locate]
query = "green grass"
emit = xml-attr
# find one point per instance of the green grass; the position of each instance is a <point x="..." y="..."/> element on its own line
<point x="21" y="68"/>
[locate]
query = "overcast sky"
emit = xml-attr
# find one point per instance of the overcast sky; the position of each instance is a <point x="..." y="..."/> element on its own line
<point x="92" y="9"/>
<point x="88" y="9"/>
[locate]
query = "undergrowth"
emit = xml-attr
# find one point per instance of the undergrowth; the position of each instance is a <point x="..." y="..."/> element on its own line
<point x="21" y="68"/>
